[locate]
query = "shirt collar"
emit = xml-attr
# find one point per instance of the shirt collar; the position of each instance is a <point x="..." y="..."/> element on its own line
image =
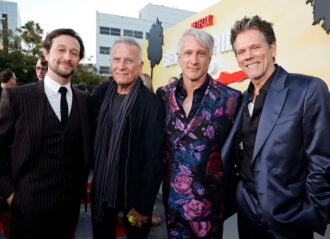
<point x="266" y="85"/>
<point x="55" y="86"/>
<point x="202" y="88"/>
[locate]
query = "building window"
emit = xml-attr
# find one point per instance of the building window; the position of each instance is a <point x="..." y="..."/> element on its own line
<point x="147" y="35"/>
<point x="105" y="50"/>
<point x="135" y="34"/>
<point x="128" y="33"/>
<point x="104" y="70"/>
<point x="138" y="34"/>
<point x="105" y="30"/>
<point x="5" y="16"/>
<point x="114" y="31"/>
<point x="110" y="31"/>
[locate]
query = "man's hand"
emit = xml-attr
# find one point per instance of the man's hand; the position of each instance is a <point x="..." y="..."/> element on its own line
<point x="10" y="199"/>
<point x="138" y="219"/>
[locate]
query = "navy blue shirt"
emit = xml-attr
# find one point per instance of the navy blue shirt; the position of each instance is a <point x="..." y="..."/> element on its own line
<point x="199" y="93"/>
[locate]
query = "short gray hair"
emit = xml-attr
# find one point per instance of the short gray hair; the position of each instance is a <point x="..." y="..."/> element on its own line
<point x="204" y="38"/>
<point x="129" y="41"/>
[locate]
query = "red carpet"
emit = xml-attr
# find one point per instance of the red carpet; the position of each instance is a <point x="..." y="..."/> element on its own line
<point x="120" y="230"/>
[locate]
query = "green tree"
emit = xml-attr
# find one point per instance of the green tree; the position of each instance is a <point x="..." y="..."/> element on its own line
<point x="87" y="73"/>
<point x="5" y="35"/>
<point x="19" y="52"/>
<point x="31" y="35"/>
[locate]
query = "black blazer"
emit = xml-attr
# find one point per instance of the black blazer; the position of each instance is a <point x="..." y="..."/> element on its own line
<point x="21" y="119"/>
<point x="144" y="168"/>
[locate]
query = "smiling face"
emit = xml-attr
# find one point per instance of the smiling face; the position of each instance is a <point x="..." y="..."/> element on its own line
<point x="254" y="55"/>
<point x="194" y="59"/>
<point x="63" y="57"/>
<point x="125" y="66"/>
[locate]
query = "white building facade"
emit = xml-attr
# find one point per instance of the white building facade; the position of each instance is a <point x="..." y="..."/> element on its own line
<point x="109" y="27"/>
<point x="9" y="12"/>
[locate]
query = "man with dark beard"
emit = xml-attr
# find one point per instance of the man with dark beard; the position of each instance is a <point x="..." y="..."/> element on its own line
<point x="43" y="127"/>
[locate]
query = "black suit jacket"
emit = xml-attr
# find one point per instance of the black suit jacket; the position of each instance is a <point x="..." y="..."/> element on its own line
<point x="21" y="124"/>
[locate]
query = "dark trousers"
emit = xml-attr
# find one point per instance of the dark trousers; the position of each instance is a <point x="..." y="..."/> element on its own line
<point x="106" y="229"/>
<point x="248" y="229"/>
<point x="251" y="224"/>
<point x="52" y="224"/>
<point x="5" y="220"/>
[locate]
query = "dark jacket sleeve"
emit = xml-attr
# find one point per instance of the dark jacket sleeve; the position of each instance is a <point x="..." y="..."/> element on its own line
<point x="316" y="129"/>
<point x="7" y="122"/>
<point x="153" y="170"/>
<point x="94" y="106"/>
<point x="229" y="154"/>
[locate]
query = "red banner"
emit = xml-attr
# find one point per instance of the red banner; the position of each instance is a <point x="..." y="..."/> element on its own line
<point x="203" y="22"/>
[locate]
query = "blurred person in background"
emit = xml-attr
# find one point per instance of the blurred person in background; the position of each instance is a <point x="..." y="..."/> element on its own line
<point x="41" y="67"/>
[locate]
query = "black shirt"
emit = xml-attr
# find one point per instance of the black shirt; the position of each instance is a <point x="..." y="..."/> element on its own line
<point x="249" y="127"/>
<point x="115" y="105"/>
<point x="115" y="110"/>
<point x="199" y="93"/>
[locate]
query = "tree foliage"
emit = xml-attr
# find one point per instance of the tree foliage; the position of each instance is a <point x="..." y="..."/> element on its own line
<point x="87" y="73"/>
<point x="31" y="35"/>
<point x="20" y="50"/>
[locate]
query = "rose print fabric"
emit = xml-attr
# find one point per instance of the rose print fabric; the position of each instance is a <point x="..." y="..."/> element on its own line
<point x="193" y="189"/>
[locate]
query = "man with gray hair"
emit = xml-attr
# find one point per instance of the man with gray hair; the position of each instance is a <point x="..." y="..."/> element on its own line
<point x="128" y="139"/>
<point x="199" y="114"/>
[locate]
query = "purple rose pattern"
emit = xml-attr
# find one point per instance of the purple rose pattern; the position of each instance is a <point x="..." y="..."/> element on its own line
<point x="182" y="183"/>
<point x="200" y="229"/>
<point x="193" y="181"/>
<point x="195" y="208"/>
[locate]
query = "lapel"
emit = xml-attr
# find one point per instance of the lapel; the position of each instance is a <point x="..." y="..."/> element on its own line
<point x="204" y="105"/>
<point x="226" y="153"/>
<point x="184" y="128"/>
<point x="82" y="105"/>
<point x="176" y="116"/>
<point x="34" y="108"/>
<point x="271" y="110"/>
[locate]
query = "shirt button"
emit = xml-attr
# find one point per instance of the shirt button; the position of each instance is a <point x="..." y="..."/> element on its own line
<point x="274" y="170"/>
<point x="278" y="193"/>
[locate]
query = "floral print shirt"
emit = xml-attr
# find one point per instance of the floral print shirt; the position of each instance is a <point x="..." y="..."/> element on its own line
<point x="193" y="188"/>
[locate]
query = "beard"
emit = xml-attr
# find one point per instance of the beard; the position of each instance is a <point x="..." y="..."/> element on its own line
<point x="61" y="72"/>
